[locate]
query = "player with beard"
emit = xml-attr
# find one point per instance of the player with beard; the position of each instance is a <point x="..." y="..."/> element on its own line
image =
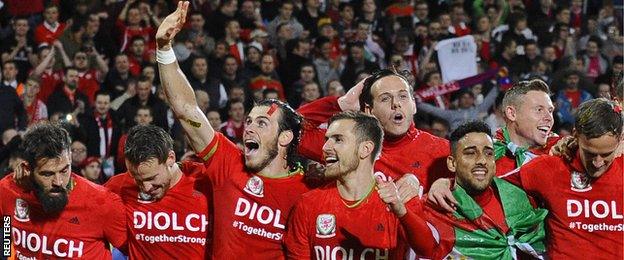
<point x="528" y="123"/>
<point x="168" y="209"/>
<point x="491" y="211"/>
<point x="254" y="189"/>
<point x="345" y="219"/>
<point x="62" y="215"/>
<point x="389" y="97"/>
<point x="584" y="196"/>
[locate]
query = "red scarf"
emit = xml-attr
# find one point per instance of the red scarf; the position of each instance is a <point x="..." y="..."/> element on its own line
<point x="105" y="143"/>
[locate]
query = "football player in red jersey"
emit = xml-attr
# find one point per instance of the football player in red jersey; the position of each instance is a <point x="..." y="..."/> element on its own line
<point x="346" y="219"/>
<point x="528" y="123"/>
<point x="254" y="189"/>
<point x="584" y="196"/>
<point x="167" y="209"/>
<point x="60" y="215"/>
<point x="389" y="97"/>
<point x="492" y="211"/>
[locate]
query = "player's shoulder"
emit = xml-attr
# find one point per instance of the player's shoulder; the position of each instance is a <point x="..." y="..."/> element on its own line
<point x="117" y="182"/>
<point x="318" y="194"/>
<point x="428" y="139"/>
<point x="8" y="185"/>
<point x="550" y="160"/>
<point x="92" y="191"/>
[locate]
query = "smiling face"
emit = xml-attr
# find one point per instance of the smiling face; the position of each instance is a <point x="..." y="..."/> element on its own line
<point x="532" y="117"/>
<point x="393" y="105"/>
<point x="473" y="162"/>
<point x="260" y="138"/>
<point x="152" y="177"/>
<point x="597" y="154"/>
<point x="340" y="149"/>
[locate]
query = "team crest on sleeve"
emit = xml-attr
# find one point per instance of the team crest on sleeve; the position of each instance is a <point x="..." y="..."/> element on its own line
<point x="325" y="226"/>
<point x="21" y="210"/>
<point x="580" y="182"/>
<point x="255" y="187"/>
<point x="145" y="198"/>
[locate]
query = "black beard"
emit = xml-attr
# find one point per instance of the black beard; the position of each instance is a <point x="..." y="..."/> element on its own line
<point x="272" y="153"/>
<point x="52" y="204"/>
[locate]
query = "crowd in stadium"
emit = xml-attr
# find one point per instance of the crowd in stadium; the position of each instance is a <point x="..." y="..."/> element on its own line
<point x="548" y="77"/>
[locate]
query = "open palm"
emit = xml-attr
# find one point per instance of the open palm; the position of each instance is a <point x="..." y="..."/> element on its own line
<point x="171" y="25"/>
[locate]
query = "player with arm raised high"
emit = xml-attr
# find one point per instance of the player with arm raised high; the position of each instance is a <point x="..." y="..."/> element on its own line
<point x="255" y="189"/>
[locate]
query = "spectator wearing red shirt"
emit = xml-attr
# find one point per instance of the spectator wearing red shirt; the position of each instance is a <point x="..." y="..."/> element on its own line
<point x="232" y="38"/>
<point x="233" y="128"/>
<point x="138" y="56"/>
<point x="50" y="29"/>
<point x="458" y="17"/>
<point x="50" y="78"/>
<point x="88" y="78"/>
<point x="268" y="79"/>
<point x="129" y="25"/>
<point x="66" y="98"/>
<point x="36" y="110"/>
<point x="21" y="8"/>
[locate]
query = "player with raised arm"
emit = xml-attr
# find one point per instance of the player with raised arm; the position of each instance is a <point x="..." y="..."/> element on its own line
<point x="254" y="189"/>
<point x="406" y="150"/>
<point x="61" y="214"/>
<point x="584" y="195"/>
<point x="167" y="210"/>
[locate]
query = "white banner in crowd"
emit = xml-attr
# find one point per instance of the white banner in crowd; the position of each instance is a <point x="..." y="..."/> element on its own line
<point x="457" y="58"/>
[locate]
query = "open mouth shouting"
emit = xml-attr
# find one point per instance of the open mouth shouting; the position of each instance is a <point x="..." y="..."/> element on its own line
<point x="330" y="160"/>
<point x="544" y="130"/>
<point x="251" y="146"/>
<point x="398" y="118"/>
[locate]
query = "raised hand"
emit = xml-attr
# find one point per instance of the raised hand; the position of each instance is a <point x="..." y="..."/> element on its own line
<point x="351" y="100"/>
<point x="171" y="25"/>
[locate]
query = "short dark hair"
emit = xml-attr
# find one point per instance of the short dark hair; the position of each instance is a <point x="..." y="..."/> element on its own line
<point x="597" y="117"/>
<point x="366" y="97"/>
<point x="147" y="142"/>
<point x="68" y="68"/>
<point x="513" y="96"/>
<point x="44" y="140"/>
<point x="467" y="128"/>
<point x="137" y="38"/>
<point x="367" y="128"/>
<point x="596" y="40"/>
<point x="103" y="92"/>
<point x="290" y="120"/>
<point x="267" y="91"/>
<point x="145" y="107"/>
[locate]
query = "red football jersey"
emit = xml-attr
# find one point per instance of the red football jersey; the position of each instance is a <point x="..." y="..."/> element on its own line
<point x="417" y="152"/>
<point x="586" y="218"/>
<point x="88" y="84"/>
<point x="323" y="227"/>
<point x="250" y="211"/>
<point x="91" y="219"/>
<point x="175" y="227"/>
<point x="507" y="163"/>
